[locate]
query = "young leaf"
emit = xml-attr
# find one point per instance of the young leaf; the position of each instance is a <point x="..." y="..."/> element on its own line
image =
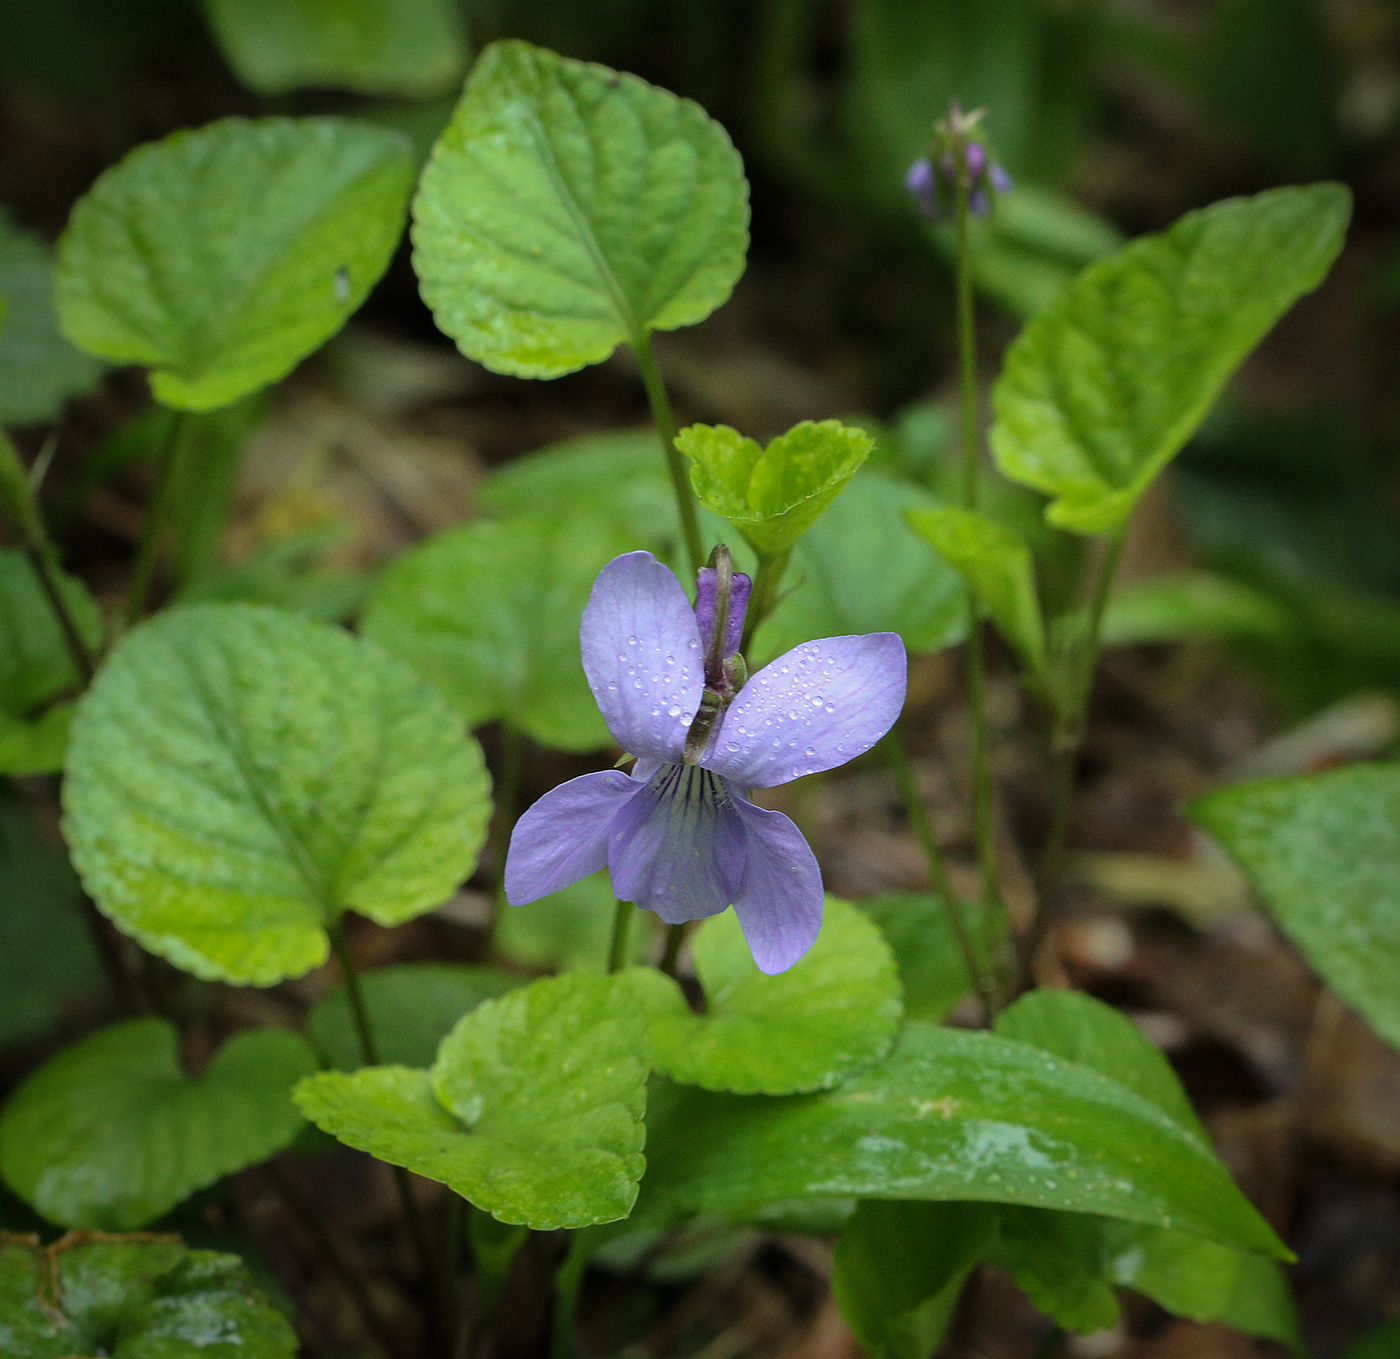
<point x="489" y="614"/>
<point x="112" y="1133"/>
<point x="899" y="1268"/>
<point x="238" y="777"/>
<point x="860" y="568"/>
<point x="36" y="666"/>
<point x="949" y="1115"/>
<point x="805" y="1029"/>
<point x="412" y="1008"/>
<point x="1193" y="604"/>
<point x="532" y="1111"/>
<point x="1100" y="392"/>
<point x="996" y="562"/>
<point x="407" y="47"/>
<point x="39" y="369"/>
<point x="568" y="209"/>
<point x="144" y="1297"/>
<point x="1324" y="851"/>
<point x="773" y="495"/>
<point x="571" y="930"/>
<point x="221" y="257"/>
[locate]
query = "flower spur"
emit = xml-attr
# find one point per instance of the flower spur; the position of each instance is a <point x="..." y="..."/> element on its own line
<point x="679" y="834"/>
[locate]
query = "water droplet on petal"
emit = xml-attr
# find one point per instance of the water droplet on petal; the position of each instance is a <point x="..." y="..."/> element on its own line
<point x="810" y="752"/>
<point x="831" y="707"/>
<point x="674" y="710"/>
<point x="631" y="641"/>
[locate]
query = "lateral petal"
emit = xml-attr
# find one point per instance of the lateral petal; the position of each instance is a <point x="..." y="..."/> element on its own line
<point x="780" y="900"/>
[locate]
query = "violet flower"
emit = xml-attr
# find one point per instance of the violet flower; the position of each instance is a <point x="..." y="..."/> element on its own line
<point x="679" y="833"/>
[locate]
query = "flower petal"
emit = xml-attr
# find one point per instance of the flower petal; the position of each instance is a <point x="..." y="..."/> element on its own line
<point x="677" y="848"/>
<point x="779" y="903"/>
<point x="641" y="653"/>
<point x="564" y="836"/>
<point x="815" y="707"/>
<point x="706" y="597"/>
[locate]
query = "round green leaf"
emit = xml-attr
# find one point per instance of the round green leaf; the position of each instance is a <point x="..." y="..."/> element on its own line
<point x="412" y="1008"/>
<point x="410" y="47"/>
<point x="489" y="614"/>
<point x="238" y="776"/>
<point x="773" y="495"/>
<point x="568" y="209"/>
<point x="112" y="1133"/>
<point x="36" y="666"/>
<point x="805" y="1029"/>
<point x="134" y="1298"/>
<point x="221" y="257"/>
<point x="1101" y="391"/>
<point x="532" y="1111"/>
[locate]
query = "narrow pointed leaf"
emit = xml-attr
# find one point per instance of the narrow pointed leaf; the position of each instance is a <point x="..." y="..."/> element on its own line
<point x="238" y="776"/>
<point x="568" y="209"/>
<point x="112" y="1133"/>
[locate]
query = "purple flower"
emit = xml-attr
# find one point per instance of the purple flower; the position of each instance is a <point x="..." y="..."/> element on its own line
<point x="679" y="833"/>
<point x="920" y="182"/>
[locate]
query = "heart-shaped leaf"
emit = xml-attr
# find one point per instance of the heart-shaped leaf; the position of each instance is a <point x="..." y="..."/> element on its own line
<point x="489" y="614"/>
<point x="807" y="1028"/>
<point x="39" y="369"/>
<point x="532" y="1111"/>
<point x="860" y="568"/>
<point x="36" y="666"/>
<point x="1324" y="851"/>
<point x="409" y="47"/>
<point x="773" y="495"/>
<point x="135" y="1298"/>
<point x="568" y="209"/>
<point x="239" y="776"/>
<point x="221" y="257"/>
<point x="412" y="1008"/>
<point x="112" y="1133"/>
<point x="949" y="1115"/>
<point x="996" y="563"/>
<point x="1101" y="391"/>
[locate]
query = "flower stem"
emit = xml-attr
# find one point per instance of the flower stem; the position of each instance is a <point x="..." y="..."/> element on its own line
<point x="621" y="930"/>
<point x="764" y="598"/>
<point x="568" y="1280"/>
<point x="675" y="464"/>
<point x="916" y="810"/>
<point x="671" y="954"/>
<point x="139" y="588"/>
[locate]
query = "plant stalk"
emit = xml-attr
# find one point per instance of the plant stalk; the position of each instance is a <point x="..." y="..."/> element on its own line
<point x="568" y="1280"/>
<point x="675" y="463"/>
<point x="764" y="597"/>
<point x="143" y="569"/>
<point x="621" y="931"/>
<point x="671" y="954"/>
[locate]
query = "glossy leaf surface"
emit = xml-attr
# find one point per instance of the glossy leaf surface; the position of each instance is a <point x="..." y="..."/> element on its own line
<point x="568" y="209"/>
<point x="238" y="776"/>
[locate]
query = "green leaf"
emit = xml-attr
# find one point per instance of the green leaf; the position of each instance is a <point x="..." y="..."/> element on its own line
<point x="221" y="257"/>
<point x="1193" y="604"/>
<point x="1101" y="391"/>
<point x="113" y="1133"/>
<point x="239" y="776"/>
<point x="39" y="369"/>
<point x="807" y="1028"/>
<point x="568" y="209"/>
<point x="860" y="568"/>
<point x="532" y="1111"/>
<point x="950" y="1115"/>
<point x="135" y="1298"/>
<point x="46" y="956"/>
<point x="489" y="614"/>
<point x="899" y="1268"/>
<point x="412" y="1008"/>
<point x="409" y="47"/>
<point x="995" y="562"/>
<point x="1381" y="1343"/>
<point x="1324" y="851"/>
<point x="932" y="973"/>
<point x="1055" y="1260"/>
<point x="773" y="495"/>
<point x="570" y="930"/>
<point x="36" y="666"/>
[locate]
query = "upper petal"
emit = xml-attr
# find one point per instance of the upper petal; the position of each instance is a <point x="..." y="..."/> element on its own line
<point x="815" y="707"/>
<point x="564" y="836"/>
<point x="780" y="900"/>
<point x="677" y="848"/>
<point x="641" y="653"/>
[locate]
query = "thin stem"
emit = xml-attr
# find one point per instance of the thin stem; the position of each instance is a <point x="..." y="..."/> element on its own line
<point x="621" y="930"/>
<point x="916" y="810"/>
<point x="764" y="597"/>
<point x="143" y="569"/>
<point x="453" y="1228"/>
<point x="568" y="1280"/>
<point x="671" y="954"/>
<point x="83" y="660"/>
<point x="675" y="464"/>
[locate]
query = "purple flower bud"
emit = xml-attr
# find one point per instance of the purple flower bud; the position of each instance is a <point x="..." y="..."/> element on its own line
<point x="978" y="203"/>
<point x="976" y="161"/>
<point x="921" y="183"/>
<point x="1000" y="180"/>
